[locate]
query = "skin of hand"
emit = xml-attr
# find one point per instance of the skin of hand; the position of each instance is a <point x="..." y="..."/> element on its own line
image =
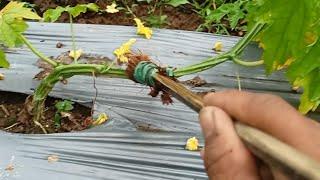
<point x="226" y="157"/>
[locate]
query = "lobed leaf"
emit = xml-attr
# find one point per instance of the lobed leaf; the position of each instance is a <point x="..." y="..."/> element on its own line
<point x="17" y="10"/>
<point x="291" y="41"/>
<point x="12" y="23"/>
<point x="10" y="30"/>
<point x="288" y="22"/>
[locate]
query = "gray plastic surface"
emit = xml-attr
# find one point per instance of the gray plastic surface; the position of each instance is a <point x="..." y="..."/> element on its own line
<point x="117" y="149"/>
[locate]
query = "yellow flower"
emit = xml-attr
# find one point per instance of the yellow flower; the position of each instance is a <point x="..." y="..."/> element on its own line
<point x="75" y="54"/>
<point x="123" y="50"/>
<point x="112" y="8"/>
<point x="218" y="46"/>
<point x="101" y="119"/>
<point x="142" y="30"/>
<point x="192" y="144"/>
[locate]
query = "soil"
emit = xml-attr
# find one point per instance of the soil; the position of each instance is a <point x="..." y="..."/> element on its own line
<point x="183" y="17"/>
<point x="11" y="104"/>
<point x="195" y="82"/>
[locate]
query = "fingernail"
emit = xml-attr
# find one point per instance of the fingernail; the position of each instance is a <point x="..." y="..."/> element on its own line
<point x="207" y="120"/>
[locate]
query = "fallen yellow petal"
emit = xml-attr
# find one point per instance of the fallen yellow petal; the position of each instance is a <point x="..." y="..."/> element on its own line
<point x="143" y="30"/>
<point x="75" y="54"/>
<point x="123" y="50"/>
<point x="101" y="119"/>
<point x="1" y="76"/>
<point x="192" y="144"/>
<point x="53" y="158"/>
<point x="218" y="46"/>
<point x="112" y="8"/>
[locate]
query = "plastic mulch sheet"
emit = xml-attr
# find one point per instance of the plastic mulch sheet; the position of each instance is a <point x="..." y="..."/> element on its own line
<point x="119" y="149"/>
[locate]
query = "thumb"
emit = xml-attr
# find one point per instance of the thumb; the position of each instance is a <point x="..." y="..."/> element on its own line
<point x="225" y="156"/>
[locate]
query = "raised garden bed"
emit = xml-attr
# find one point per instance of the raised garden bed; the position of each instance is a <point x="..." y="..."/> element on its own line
<point x="114" y="149"/>
<point x="93" y="90"/>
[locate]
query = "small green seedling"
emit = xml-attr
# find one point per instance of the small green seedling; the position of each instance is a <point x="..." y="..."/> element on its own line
<point x="157" y="21"/>
<point x="62" y="106"/>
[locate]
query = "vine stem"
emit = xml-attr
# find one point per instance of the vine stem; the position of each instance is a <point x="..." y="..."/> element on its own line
<point x="241" y="45"/>
<point x="67" y="71"/>
<point x="36" y="52"/>
<point x="73" y="38"/>
<point x="96" y="93"/>
<point x="230" y="55"/>
<point x="207" y="64"/>
<point x="247" y="63"/>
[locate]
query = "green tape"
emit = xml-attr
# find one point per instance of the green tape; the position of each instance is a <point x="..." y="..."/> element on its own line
<point x="144" y="73"/>
<point x="170" y="71"/>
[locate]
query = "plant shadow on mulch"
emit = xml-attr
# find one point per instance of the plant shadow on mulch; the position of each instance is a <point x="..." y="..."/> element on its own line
<point x="11" y="104"/>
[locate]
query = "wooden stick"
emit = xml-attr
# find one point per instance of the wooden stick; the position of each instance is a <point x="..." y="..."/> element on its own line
<point x="270" y="150"/>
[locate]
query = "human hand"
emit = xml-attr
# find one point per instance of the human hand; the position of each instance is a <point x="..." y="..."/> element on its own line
<point x="226" y="157"/>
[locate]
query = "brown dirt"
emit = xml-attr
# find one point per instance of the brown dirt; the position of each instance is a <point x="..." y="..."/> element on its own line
<point x="11" y="105"/>
<point x="178" y="18"/>
<point x="195" y="82"/>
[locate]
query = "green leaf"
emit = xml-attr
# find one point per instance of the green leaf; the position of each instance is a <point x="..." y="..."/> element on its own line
<point x="216" y="15"/>
<point x="176" y="3"/>
<point x="310" y="99"/>
<point x="234" y="18"/>
<point x="64" y="106"/>
<point x="3" y="60"/>
<point x="17" y="10"/>
<point x="77" y="10"/>
<point x="315" y="86"/>
<point x="12" y="23"/>
<point x="10" y="30"/>
<point x="288" y="22"/>
<point x="52" y="15"/>
<point x="233" y="12"/>
<point x="23" y="12"/>
<point x="305" y="64"/>
<point x="57" y="120"/>
<point x="157" y="21"/>
<point x="291" y="41"/>
<point x="93" y="7"/>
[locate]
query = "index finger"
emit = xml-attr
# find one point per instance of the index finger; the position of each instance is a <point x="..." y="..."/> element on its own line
<point x="272" y="115"/>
